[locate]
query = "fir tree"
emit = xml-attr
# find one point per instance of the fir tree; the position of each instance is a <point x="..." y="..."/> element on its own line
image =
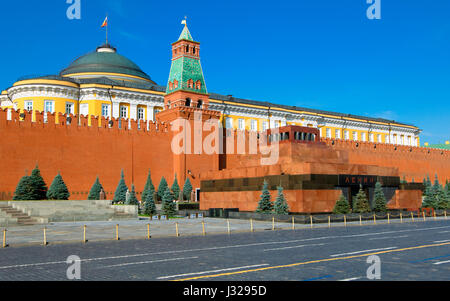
<point x="175" y="188"/>
<point x="379" y="199"/>
<point x="162" y="188"/>
<point x="149" y="204"/>
<point x="265" y="205"/>
<point x="149" y="189"/>
<point x="361" y="204"/>
<point x="58" y="189"/>
<point x="342" y="206"/>
<point x="187" y="189"/>
<point x="428" y="201"/>
<point x="132" y="200"/>
<point x="121" y="190"/>
<point x="24" y="191"/>
<point x="168" y="205"/>
<point x="94" y="193"/>
<point x="281" y="206"/>
<point x="38" y="186"/>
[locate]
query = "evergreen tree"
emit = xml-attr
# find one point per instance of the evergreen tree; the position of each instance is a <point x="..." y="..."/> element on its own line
<point x="361" y="204"/>
<point x="162" y="188"/>
<point x="265" y="205"/>
<point x="428" y="201"/>
<point x="187" y="189"/>
<point x="58" y="189"/>
<point x="168" y="205"/>
<point x="175" y="188"/>
<point x="38" y="186"/>
<point x="24" y="191"/>
<point x="149" y="189"/>
<point x="132" y="200"/>
<point x="281" y="206"/>
<point x="149" y="204"/>
<point x="342" y="206"/>
<point x="121" y="190"/>
<point x="94" y="193"/>
<point x="379" y="199"/>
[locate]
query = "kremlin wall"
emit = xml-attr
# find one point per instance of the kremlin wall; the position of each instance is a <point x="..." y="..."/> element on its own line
<point x="309" y="171"/>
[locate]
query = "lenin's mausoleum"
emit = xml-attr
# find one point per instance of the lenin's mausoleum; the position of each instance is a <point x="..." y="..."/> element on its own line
<point x="103" y="114"/>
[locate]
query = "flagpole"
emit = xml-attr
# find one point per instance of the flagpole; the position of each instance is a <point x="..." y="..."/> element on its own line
<point x="107" y="21"/>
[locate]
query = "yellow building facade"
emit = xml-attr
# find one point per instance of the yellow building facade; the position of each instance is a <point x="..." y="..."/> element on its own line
<point x="104" y="83"/>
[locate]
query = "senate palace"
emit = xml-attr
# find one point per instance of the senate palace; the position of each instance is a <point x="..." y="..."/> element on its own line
<point x="105" y="83"/>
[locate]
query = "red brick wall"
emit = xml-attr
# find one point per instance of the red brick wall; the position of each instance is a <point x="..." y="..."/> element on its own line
<point x="81" y="153"/>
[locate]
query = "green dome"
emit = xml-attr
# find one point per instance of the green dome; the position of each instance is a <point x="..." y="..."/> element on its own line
<point x="104" y="61"/>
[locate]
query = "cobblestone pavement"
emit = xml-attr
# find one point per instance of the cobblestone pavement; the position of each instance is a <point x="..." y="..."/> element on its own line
<point x="137" y="229"/>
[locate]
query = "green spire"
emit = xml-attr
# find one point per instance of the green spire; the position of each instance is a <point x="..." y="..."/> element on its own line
<point x="185" y="34"/>
<point x="186" y="70"/>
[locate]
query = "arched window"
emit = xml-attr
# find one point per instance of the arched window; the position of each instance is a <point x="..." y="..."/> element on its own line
<point x="190" y="84"/>
<point x="170" y="86"/>
<point x="193" y="50"/>
<point x="198" y="85"/>
<point x="188" y="102"/>
<point x="199" y="104"/>
<point x="175" y="84"/>
<point x="187" y="48"/>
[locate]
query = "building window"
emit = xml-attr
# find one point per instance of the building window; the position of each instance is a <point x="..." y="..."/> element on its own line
<point x="328" y="133"/>
<point x="229" y="123"/>
<point x="379" y="138"/>
<point x="198" y="85"/>
<point x="337" y="134"/>
<point x="187" y="103"/>
<point x="363" y="137"/>
<point x="29" y="106"/>
<point x="409" y="140"/>
<point x="69" y="108"/>
<point x="199" y="104"/>
<point x="241" y="124"/>
<point x="123" y="112"/>
<point x="264" y="125"/>
<point x="48" y="106"/>
<point x="105" y="110"/>
<point x="170" y="86"/>
<point x="190" y="84"/>
<point x="346" y="135"/>
<point x="140" y="113"/>
<point x="254" y="125"/>
<point x="175" y="84"/>
<point x="394" y="140"/>
<point x="354" y="136"/>
<point x="371" y="137"/>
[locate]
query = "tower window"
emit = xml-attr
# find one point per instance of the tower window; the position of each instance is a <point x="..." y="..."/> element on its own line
<point x="188" y="102"/>
<point x="198" y="85"/>
<point x="193" y="50"/>
<point x="190" y="83"/>
<point x="199" y="104"/>
<point x="187" y="48"/>
<point x="175" y="84"/>
<point x="170" y="86"/>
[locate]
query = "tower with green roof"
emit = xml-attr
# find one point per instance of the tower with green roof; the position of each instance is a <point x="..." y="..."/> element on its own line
<point x="186" y="85"/>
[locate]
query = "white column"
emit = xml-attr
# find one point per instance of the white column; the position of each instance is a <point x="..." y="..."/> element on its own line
<point x="115" y="110"/>
<point x="150" y="112"/>
<point x="133" y="111"/>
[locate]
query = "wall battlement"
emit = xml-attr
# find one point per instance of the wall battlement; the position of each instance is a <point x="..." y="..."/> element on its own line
<point x="26" y="119"/>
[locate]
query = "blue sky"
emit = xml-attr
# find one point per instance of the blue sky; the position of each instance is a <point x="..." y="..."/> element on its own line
<point x="318" y="54"/>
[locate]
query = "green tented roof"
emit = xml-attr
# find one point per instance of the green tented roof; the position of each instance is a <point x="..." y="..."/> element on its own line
<point x="185" y="34"/>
